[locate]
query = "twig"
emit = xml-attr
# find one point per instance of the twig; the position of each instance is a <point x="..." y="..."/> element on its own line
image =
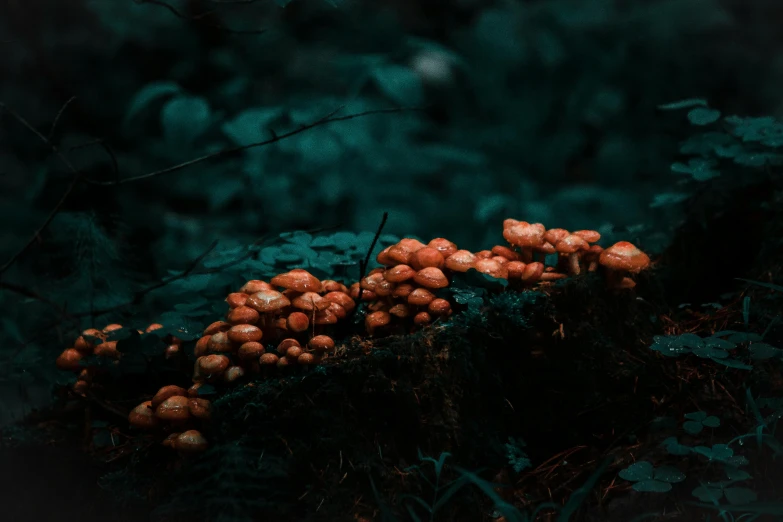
<point x="21" y="290"/>
<point x="198" y="17"/>
<point x="57" y="118"/>
<point x="114" y="164"/>
<point x="363" y="264"/>
<point x="329" y="118"/>
<point x="77" y="176"/>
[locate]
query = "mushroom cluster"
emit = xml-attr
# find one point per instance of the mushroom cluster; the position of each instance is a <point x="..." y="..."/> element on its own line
<point x="95" y="342"/>
<point x="403" y="291"/>
<point x="175" y="411"/>
<point x="293" y="311"/>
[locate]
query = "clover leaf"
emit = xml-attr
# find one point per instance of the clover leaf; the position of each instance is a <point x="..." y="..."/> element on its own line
<point x="649" y="479"/>
<point x="698" y="420"/>
<point x="675" y="448"/>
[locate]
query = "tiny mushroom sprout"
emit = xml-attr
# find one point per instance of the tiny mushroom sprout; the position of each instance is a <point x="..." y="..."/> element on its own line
<point x="621" y="259"/>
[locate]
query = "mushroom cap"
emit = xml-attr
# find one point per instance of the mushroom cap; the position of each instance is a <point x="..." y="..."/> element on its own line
<point x="325" y="316"/>
<point x="431" y="277"/>
<point x="310" y="301"/>
<point x="111" y="328"/>
<point x="525" y="234"/>
<point x="267" y="301"/>
<point x="504" y="251"/>
<point x="342" y="299"/>
<point x="212" y="364"/>
<point x="443" y="245"/>
<point x="217" y="326"/>
<point x="571" y="244"/>
<point x="591" y="236"/>
<point x="233" y="373"/>
<point x="255" y="285"/>
<point x="235" y="299"/>
<point x="243" y="333"/>
<point x="461" y="261"/>
<point x="305" y="359"/>
<point x="553" y="235"/>
<point x="220" y="342"/>
<point x="299" y="280"/>
<point x="298" y="322"/>
<point x="250" y="350"/>
<point x="69" y="359"/>
<point x="491" y="268"/>
<point x="173" y="409"/>
<point x="376" y="320"/>
<point x="420" y="297"/>
<point x="337" y="310"/>
<point x="439" y="306"/>
<point x="143" y="416"/>
<point x="200" y="408"/>
<point x="400" y="310"/>
<point x="321" y="343"/>
<point x="191" y="441"/>
<point x="243" y="315"/>
<point x="268" y="359"/>
<point x="624" y="256"/>
<point x="426" y="257"/>
<point x="402" y="251"/>
<point x="172" y="390"/>
<point x="399" y="273"/>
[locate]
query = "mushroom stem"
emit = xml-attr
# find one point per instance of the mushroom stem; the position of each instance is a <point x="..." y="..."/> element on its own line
<point x="573" y="264"/>
<point x="614" y="278"/>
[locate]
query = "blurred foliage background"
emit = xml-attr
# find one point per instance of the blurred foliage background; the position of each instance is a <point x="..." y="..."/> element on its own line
<point x="542" y="110"/>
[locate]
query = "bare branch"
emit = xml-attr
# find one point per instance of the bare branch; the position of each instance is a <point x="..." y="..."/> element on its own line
<point x="77" y="177"/>
<point x="59" y="115"/>
<point x="363" y="265"/>
<point x="329" y="118"/>
<point x="198" y="17"/>
<point x="114" y="164"/>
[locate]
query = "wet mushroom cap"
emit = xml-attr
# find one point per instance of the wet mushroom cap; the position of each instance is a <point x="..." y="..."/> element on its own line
<point x="297" y="279"/>
<point x="624" y="256"/>
<point x="268" y="301"/>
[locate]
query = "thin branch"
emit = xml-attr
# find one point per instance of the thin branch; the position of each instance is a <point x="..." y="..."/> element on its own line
<point x="21" y="290"/>
<point x="363" y="265"/>
<point x="77" y="176"/>
<point x="57" y="118"/>
<point x="198" y="17"/>
<point x="112" y="157"/>
<point x="329" y="118"/>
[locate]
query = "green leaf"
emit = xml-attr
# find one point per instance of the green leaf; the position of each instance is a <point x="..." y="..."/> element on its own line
<point x="696" y="416"/>
<point x="771" y="286"/>
<point x="711" y="421"/>
<point x="707" y="352"/>
<point x="148" y="94"/>
<point x="761" y="351"/>
<point x="708" y="494"/>
<point x="692" y="427"/>
<point x="652" y="486"/>
<point x="251" y="125"/>
<point x="722" y="344"/>
<point x="669" y="474"/>
<point x="734" y="473"/>
<point x="400" y="84"/>
<point x="733" y="363"/>
<point x="668" y="198"/>
<point x="700" y="169"/>
<point x="641" y="470"/>
<point x="740" y="495"/>
<point x="12" y="329"/>
<point x="184" y="119"/>
<point x="683" y="104"/>
<point x="703" y="116"/>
